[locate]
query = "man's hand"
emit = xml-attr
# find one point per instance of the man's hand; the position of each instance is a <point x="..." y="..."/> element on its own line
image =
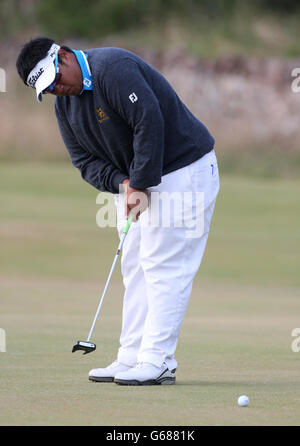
<point x="136" y="200"/>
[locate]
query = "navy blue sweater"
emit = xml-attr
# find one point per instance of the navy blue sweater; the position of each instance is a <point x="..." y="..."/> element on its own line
<point x="131" y="125"/>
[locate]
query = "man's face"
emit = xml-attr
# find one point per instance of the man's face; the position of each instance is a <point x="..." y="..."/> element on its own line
<point x="69" y="79"/>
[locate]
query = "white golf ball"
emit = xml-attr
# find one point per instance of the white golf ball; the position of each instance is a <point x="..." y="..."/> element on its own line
<point x="243" y="400"/>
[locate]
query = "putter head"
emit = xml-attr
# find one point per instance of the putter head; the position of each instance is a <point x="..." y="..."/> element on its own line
<point x="87" y="347"/>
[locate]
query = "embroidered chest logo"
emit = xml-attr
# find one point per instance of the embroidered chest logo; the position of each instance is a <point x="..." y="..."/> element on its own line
<point x="133" y="97"/>
<point x="102" y="116"/>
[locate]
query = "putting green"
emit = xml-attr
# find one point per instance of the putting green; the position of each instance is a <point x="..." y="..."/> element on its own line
<point x="236" y="337"/>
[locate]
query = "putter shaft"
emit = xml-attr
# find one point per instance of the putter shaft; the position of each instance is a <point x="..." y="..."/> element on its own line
<point x="125" y="231"/>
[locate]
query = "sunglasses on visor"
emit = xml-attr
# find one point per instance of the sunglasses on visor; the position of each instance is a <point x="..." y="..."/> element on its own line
<point x="51" y="87"/>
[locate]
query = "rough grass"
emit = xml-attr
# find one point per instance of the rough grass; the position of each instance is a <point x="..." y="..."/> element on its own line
<point x="236" y="337"/>
<point x="245" y="31"/>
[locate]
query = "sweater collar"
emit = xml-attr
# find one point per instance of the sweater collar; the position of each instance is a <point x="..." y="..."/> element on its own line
<point x="87" y="81"/>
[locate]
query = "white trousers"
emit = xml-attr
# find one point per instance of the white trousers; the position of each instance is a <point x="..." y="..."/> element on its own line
<point x="161" y="255"/>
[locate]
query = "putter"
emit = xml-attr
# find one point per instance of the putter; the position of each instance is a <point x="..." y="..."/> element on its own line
<point x="88" y="346"/>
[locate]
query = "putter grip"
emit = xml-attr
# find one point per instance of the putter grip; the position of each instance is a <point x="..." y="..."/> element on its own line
<point x="127" y="224"/>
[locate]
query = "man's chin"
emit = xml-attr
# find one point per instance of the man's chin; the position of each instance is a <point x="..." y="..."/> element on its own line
<point x="68" y="91"/>
<point x="73" y="91"/>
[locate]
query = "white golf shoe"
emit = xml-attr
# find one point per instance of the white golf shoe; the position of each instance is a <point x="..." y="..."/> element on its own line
<point x="108" y="373"/>
<point x="146" y="374"/>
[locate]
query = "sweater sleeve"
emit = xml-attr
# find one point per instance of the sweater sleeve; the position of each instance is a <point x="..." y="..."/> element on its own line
<point x="98" y="173"/>
<point x="129" y="94"/>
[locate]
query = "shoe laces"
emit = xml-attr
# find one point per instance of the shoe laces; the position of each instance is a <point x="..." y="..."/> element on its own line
<point x="114" y="364"/>
<point x="141" y="365"/>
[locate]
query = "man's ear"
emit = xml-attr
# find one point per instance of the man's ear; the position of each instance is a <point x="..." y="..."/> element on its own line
<point x="64" y="56"/>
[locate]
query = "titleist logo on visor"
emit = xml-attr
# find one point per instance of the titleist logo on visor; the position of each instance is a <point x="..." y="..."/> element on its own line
<point x="32" y="80"/>
<point x="42" y="65"/>
<point x="53" y="52"/>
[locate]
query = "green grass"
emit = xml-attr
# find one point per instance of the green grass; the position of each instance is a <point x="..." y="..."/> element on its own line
<point x="236" y="337"/>
<point x="208" y="29"/>
<point x="245" y="31"/>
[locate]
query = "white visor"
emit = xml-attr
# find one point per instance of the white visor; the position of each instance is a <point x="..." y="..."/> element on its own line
<point x="43" y="74"/>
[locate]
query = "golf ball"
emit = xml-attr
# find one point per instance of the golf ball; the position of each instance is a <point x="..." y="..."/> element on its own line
<point x="243" y="400"/>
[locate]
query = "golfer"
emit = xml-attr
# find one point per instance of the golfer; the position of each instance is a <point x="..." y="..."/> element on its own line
<point x="128" y="133"/>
